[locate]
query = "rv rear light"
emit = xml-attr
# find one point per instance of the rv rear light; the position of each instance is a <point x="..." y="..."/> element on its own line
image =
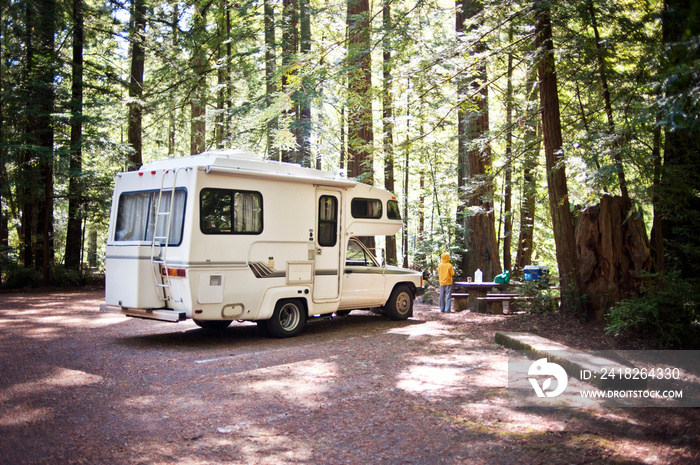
<point x="175" y="272"/>
<point x="140" y="173"/>
<point x="153" y="171"/>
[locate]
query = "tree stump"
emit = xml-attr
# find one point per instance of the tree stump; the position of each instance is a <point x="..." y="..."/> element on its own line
<point x="613" y="250"/>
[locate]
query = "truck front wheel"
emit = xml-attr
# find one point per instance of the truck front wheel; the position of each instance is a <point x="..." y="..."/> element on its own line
<point x="287" y="320"/>
<point x="400" y="304"/>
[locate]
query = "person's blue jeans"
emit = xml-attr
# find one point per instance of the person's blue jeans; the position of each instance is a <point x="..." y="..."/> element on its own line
<point x="445" y="298"/>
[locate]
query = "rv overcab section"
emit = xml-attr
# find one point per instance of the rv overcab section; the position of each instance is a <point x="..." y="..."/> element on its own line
<point x="225" y="236"/>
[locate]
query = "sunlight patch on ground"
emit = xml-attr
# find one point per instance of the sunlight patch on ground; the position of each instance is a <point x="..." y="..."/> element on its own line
<point x="431" y="328"/>
<point x="438" y="373"/>
<point x="21" y="414"/>
<point x="59" y="378"/>
<point x="304" y="383"/>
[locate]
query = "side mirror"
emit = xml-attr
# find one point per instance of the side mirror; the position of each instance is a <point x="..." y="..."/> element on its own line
<point x="381" y="257"/>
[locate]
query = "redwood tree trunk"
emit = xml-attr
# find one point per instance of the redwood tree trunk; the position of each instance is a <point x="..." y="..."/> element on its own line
<point x="529" y="191"/>
<point x="270" y="80"/>
<point x="475" y="210"/>
<point x="360" y="133"/>
<point x="613" y="251"/>
<point x="562" y="220"/>
<point x="138" y="19"/>
<point x="74" y="227"/>
<point x="198" y="105"/>
<point x="388" y="122"/>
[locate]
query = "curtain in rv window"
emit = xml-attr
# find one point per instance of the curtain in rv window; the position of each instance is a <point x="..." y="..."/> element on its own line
<point x="366" y="208"/>
<point x="136" y="216"/>
<point x="226" y="211"/>
<point x="327" y="221"/>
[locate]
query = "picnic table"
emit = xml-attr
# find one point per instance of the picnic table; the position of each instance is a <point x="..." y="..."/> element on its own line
<point x="478" y="293"/>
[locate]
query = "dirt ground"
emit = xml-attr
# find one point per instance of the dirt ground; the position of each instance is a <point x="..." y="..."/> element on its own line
<point x="80" y="386"/>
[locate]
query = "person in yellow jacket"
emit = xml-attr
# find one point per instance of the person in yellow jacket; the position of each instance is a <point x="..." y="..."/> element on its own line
<point x="445" y="273"/>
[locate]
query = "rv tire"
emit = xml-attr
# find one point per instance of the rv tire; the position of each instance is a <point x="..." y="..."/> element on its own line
<point x="288" y="318"/>
<point x="400" y="304"/>
<point x="213" y="324"/>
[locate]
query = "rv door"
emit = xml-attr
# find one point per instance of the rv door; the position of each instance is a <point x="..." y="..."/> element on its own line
<point x="328" y="246"/>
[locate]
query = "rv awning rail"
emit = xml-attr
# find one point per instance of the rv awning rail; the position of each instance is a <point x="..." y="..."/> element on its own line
<point x="289" y="177"/>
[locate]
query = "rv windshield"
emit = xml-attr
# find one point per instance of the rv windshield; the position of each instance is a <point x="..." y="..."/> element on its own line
<point x="136" y="216"/>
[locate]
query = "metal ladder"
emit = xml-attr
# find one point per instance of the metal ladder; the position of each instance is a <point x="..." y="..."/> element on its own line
<point x="159" y="263"/>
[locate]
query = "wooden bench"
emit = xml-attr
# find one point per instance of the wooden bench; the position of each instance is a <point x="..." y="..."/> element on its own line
<point x="498" y="304"/>
<point x="460" y="301"/>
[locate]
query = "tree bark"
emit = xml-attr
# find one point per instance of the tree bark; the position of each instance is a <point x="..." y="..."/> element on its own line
<point x="37" y="199"/>
<point x="507" y="201"/>
<point x="75" y="220"/>
<point x="678" y="202"/>
<point x="304" y="94"/>
<point x="388" y="121"/>
<point x="602" y="69"/>
<point x="270" y="77"/>
<point x="290" y="47"/>
<point x="360" y="132"/>
<point x="613" y="252"/>
<point x="529" y="190"/>
<point x="138" y="57"/>
<point x="475" y="209"/>
<point x="562" y="220"/>
<point x="198" y="104"/>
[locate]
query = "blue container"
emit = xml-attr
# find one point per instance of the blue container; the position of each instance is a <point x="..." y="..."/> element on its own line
<point x="536" y="273"/>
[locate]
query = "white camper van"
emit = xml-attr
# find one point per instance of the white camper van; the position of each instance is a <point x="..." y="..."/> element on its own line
<point x="225" y="236"/>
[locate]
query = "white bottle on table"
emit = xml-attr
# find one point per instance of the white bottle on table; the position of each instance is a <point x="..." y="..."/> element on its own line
<point x="478" y="276"/>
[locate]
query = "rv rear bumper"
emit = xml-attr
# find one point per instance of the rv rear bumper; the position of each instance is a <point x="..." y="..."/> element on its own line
<point x="172" y="316"/>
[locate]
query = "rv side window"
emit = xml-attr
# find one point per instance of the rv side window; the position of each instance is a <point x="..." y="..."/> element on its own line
<point x="366" y="208"/>
<point x="392" y="210"/>
<point x="226" y="211"/>
<point x="327" y="221"/>
<point x="136" y="216"/>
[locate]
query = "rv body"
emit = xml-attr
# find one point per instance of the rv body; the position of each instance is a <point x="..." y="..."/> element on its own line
<point x="225" y="236"/>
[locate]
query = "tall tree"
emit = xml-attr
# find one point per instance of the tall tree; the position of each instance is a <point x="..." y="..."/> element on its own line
<point x="528" y="204"/>
<point x="37" y="163"/>
<point x="475" y="210"/>
<point x="304" y="95"/>
<point x="74" y="227"/>
<point x="605" y="88"/>
<point x="388" y="120"/>
<point x="508" y="188"/>
<point x="290" y="47"/>
<point x="172" y="120"/>
<point x="198" y="103"/>
<point x="270" y="78"/>
<point x="358" y="66"/>
<point x="562" y="220"/>
<point x="138" y="57"/>
<point x="678" y="205"/>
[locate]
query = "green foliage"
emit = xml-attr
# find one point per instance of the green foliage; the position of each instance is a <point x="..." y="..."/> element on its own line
<point x="18" y="277"/>
<point x="543" y="299"/>
<point x="667" y="313"/>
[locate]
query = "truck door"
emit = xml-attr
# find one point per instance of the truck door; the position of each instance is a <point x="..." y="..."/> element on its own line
<point x="328" y="246"/>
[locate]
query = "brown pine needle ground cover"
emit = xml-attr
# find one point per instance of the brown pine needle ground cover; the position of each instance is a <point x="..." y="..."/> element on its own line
<point x="80" y="386"/>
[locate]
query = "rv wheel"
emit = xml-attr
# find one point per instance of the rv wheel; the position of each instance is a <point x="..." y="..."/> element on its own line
<point x="213" y="324"/>
<point x="400" y="304"/>
<point x="288" y="319"/>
